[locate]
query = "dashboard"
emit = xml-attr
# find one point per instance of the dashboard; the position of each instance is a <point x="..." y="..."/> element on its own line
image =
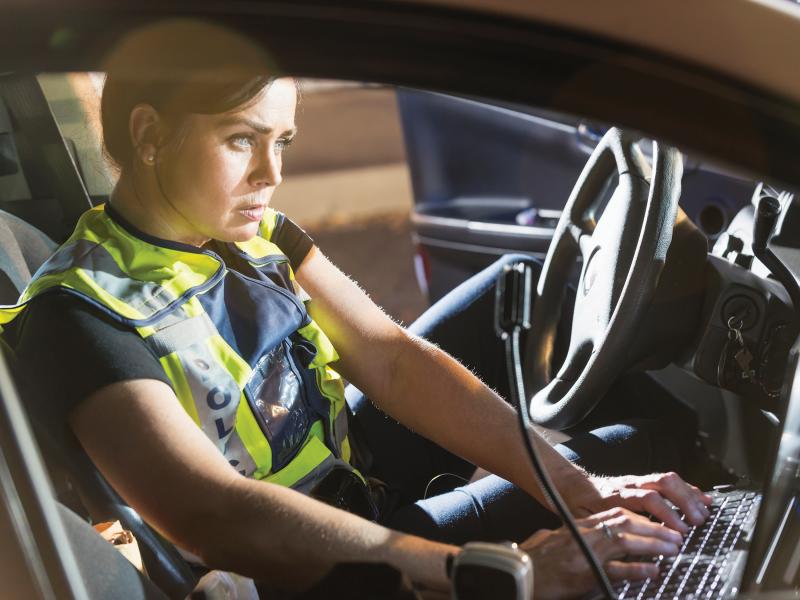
<point x="749" y="324"/>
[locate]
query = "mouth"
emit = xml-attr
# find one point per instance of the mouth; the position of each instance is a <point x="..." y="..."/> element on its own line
<point x="253" y="213"/>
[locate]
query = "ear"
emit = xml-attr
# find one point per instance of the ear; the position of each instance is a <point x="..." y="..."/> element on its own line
<point x="144" y="127"/>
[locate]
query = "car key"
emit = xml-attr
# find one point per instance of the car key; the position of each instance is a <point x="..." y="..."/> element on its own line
<point x="743" y="356"/>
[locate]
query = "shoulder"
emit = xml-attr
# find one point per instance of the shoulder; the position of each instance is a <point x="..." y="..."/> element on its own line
<point x="79" y="346"/>
<point x="292" y="239"/>
<point x="59" y="314"/>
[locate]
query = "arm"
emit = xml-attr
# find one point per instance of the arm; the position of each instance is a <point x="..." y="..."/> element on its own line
<point x="422" y="386"/>
<point x="140" y="437"/>
<point x="151" y="452"/>
<point x="427" y="390"/>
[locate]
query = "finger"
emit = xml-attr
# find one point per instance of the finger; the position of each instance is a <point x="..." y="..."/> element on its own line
<point x="633" y="523"/>
<point x="704" y="498"/>
<point x="602" y="517"/>
<point x="634" y="571"/>
<point x="641" y="545"/>
<point x="622" y="519"/>
<point x="621" y="544"/>
<point x="645" y="500"/>
<point x="680" y="493"/>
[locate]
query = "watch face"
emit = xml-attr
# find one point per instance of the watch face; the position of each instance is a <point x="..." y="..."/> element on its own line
<point x="476" y="582"/>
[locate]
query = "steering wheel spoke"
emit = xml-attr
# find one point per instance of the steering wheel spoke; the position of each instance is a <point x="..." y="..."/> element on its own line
<point x="623" y="252"/>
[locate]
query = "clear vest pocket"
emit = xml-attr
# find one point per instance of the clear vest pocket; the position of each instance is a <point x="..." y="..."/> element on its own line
<point x="277" y="396"/>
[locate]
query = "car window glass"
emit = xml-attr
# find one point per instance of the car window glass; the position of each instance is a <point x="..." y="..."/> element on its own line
<point x="374" y="162"/>
<point x="13" y="186"/>
<point x="74" y="99"/>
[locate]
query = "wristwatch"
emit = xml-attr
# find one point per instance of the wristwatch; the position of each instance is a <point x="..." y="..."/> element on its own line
<point x="496" y="571"/>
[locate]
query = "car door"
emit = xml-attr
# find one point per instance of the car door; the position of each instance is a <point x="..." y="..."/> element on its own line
<point x="490" y="179"/>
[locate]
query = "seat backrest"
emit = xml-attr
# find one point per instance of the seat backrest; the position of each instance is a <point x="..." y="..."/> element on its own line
<point x="23" y="248"/>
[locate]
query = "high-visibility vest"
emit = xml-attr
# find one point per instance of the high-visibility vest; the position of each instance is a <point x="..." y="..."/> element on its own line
<point x="247" y="363"/>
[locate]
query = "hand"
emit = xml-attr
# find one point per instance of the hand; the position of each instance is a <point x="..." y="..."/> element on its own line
<point x="561" y="571"/>
<point x="653" y="494"/>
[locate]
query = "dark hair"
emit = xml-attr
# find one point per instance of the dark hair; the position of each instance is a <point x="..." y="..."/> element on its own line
<point x="173" y="100"/>
<point x="179" y="68"/>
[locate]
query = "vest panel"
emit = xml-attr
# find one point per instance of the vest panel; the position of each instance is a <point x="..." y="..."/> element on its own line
<point x="247" y="363"/>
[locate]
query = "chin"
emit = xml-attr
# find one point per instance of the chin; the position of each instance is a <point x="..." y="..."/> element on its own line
<point x="238" y="234"/>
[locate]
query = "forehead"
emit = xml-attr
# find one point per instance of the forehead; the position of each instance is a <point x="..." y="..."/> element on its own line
<point x="274" y="106"/>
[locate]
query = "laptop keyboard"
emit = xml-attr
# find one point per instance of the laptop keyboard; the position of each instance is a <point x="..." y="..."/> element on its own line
<point x="699" y="570"/>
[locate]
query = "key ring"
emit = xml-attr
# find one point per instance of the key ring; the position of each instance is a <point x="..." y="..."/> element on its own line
<point x="733" y="330"/>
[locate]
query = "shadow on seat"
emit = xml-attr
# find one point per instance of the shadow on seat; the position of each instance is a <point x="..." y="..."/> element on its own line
<point x="23" y="248"/>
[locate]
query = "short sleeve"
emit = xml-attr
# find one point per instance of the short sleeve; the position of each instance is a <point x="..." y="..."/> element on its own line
<point x="65" y="350"/>
<point x="288" y="236"/>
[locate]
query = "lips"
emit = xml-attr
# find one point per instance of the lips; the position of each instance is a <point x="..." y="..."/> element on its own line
<point x="253" y="213"/>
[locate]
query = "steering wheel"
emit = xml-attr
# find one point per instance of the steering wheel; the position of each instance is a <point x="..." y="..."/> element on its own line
<point x="623" y="255"/>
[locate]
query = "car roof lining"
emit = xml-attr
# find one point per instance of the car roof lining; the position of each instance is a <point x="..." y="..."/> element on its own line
<point x="753" y="130"/>
<point x="758" y="40"/>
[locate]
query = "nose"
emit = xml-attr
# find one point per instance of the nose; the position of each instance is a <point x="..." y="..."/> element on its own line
<point x="266" y="170"/>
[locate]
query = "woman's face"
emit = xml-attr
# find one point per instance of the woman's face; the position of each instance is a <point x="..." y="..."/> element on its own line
<point x="222" y="176"/>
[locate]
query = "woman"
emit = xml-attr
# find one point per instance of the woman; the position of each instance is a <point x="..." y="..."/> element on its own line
<point x="219" y="357"/>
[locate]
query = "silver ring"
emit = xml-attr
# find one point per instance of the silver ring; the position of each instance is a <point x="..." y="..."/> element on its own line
<point x="607" y="530"/>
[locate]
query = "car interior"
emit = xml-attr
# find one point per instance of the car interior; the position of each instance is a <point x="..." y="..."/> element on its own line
<point x="712" y="346"/>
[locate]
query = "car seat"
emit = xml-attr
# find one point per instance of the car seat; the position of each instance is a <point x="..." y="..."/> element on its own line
<point x="23" y="248"/>
<point x="107" y="575"/>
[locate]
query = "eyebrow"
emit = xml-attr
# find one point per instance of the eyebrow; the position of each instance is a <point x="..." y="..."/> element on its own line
<point x="259" y="127"/>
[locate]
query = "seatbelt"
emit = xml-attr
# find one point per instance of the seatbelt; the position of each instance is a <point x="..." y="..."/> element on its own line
<point x="50" y="170"/>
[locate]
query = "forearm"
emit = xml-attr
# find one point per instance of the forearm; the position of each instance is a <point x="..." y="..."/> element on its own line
<point x="171" y="473"/>
<point x="277" y="535"/>
<point x="423" y="387"/>
<point x="439" y="398"/>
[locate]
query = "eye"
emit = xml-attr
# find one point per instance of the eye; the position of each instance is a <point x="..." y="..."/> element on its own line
<point x="282" y="144"/>
<point x="242" y="141"/>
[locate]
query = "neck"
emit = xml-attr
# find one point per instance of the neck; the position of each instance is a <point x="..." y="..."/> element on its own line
<point x="144" y="207"/>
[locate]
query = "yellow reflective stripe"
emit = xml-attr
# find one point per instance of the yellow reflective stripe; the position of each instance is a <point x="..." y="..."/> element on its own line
<point x="231" y="362"/>
<point x="253" y="439"/>
<point x="193" y="307"/>
<point x="326" y="353"/>
<point x="258" y="247"/>
<point x="8" y="313"/>
<point x="146" y="331"/>
<point x="332" y="388"/>
<point x="331" y="385"/>
<point x="268" y="222"/>
<point x="174" y="370"/>
<point x="247" y="427"/>
<point x="175" y="270"/>
<point x="314" y="451"/>
<point x="346" y="450"/>
<point x="329" y="382"/>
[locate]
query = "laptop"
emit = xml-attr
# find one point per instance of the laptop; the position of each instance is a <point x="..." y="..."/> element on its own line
<point x="750" y="545"/>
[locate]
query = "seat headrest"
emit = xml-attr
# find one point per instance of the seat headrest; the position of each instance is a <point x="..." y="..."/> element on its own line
<point x="23" y="248"/>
